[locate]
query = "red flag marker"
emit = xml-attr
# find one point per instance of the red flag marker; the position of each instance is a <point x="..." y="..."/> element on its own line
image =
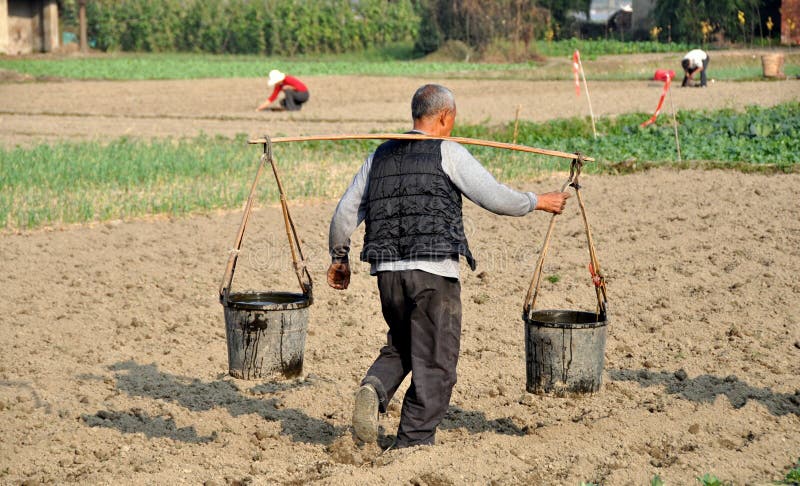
<point x="660" y="103"/>
<point x="576" y="62"/>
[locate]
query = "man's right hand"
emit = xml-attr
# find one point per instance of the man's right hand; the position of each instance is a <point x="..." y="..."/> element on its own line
<point x="552" y="202"/>
<point x="339" y="275"/>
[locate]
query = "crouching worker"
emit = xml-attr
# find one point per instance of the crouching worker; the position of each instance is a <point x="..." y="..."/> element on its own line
<point x="693" y="62"/>
<point x="295" y="93"/>
<point x="409" y="193"/>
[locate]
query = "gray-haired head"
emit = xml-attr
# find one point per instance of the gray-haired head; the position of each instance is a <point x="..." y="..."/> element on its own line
<point x="430" y="100"/>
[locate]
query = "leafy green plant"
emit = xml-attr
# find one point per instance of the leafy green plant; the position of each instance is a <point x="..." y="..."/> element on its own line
<point x="656" y="481"/>
<point x="793" y="476"/>
<point x="709" y="479"/>
<point x="553" y="278"/>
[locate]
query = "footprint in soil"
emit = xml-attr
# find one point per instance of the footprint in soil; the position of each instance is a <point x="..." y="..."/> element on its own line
<point x="431" y="479"/>
<point x="346" y="451"/>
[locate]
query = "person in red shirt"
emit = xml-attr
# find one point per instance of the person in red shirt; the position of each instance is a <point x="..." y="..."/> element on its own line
<point x="295" y="93"/>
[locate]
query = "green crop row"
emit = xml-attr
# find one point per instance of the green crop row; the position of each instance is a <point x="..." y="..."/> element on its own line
<point x="758" y="138"/>
<point x="87" y="181"/>
<point x="74" y="182"/>
<point x="197" y="66"/>
<point x="604" y="47"/>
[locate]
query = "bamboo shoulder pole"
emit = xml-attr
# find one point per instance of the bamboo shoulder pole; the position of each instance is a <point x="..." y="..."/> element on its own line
<point x="415" y="136"/>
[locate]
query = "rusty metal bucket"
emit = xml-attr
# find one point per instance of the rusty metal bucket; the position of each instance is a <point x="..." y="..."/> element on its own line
<point x="266" y="333"/>
<point x="564" y="352"/>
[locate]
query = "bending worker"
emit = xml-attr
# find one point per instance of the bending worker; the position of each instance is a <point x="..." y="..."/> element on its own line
<point x="295" y="92"/>
<point x="694" y="61"/>
<point x="409" y="194"/>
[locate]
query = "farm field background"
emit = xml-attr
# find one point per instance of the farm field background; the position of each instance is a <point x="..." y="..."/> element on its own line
<point x="604" y="60"/>
<point x="87" y="181"/>
<point x="114" y="367"/>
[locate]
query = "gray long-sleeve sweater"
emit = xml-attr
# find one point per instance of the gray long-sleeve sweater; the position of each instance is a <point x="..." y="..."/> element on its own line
<point x="468" y="175"/>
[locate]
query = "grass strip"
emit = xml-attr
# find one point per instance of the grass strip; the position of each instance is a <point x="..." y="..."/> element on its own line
<point x="77" y="182"/>
<point x="396" y="61"/>
<point x="198" y="66"/>
<point x="604" y="47"/>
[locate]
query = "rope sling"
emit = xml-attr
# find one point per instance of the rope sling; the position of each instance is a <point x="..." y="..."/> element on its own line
<point x="298" y="259"/>
<point x="598" y="279"/>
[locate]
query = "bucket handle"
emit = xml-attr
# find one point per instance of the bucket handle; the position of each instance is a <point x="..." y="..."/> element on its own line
<point x="598" y="279"/>
<point x="298" y="259"/>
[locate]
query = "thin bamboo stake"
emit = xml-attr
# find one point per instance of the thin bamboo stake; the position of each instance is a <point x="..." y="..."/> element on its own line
<point x="675" y="124"/>
<point x="586" y="87"/>
<point x="516" y="124"/>
<point x="415" y="136"/>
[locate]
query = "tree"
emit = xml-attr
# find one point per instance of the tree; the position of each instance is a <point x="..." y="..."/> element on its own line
<point x="686" y="18"/>
<point x="477" y="23"/>
<point x="560" y="9"/>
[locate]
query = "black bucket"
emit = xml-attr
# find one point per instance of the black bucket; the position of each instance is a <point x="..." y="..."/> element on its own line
<point x="266" y="333"/>
<point x="564" y="352"/>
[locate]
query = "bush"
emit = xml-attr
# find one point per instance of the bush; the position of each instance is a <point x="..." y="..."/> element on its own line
<point x="430" y="36"/>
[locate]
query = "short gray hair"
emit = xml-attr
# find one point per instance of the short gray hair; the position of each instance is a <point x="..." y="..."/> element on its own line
<point x="430" y="100"/>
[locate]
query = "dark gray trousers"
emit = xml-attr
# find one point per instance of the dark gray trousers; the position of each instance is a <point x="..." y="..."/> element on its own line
<point x="293" y="100"/>
<point x="423" y="312"/>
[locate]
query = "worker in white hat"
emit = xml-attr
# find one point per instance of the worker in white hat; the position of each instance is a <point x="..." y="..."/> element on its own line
<point x="295" y="93"/>
<point x="693" y="62"/>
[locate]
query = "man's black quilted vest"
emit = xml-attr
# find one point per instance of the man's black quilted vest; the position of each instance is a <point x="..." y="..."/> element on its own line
<point x="414" y="209"/>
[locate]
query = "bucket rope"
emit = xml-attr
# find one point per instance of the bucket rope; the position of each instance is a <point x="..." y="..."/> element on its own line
<point x="227" y="278"/>
<point x="298" y="260"/>
<point x="299" y="264"/>
<point x="598" y="279"/>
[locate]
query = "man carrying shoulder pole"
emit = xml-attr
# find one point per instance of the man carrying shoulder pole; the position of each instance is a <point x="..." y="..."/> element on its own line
<point x="409" y="195"/>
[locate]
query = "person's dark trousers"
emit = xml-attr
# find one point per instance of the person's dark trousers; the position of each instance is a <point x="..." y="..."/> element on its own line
<point x="293" y="100"/>
<point x="423" y="312"/>
<point x="703" y="78"/>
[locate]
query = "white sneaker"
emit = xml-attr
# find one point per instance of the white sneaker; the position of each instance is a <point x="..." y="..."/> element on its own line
<point x="365" y="413"/>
